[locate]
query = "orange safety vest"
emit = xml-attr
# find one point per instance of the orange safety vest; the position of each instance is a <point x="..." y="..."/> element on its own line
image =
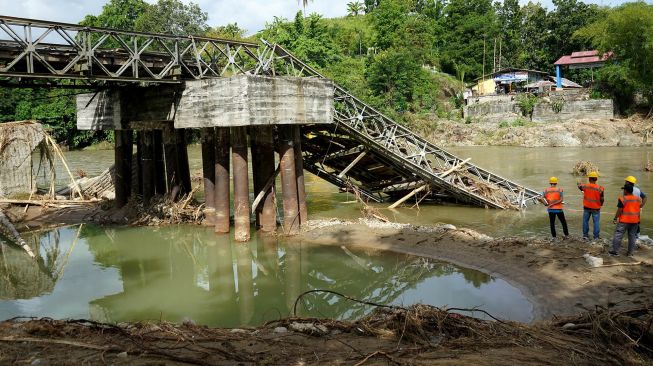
<point x="592" y="195"/>
<point x="631" y="209"/>
<point x="553" y="194"/>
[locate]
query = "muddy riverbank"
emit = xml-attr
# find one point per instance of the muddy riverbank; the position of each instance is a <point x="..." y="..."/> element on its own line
<point x="553" y="275"/>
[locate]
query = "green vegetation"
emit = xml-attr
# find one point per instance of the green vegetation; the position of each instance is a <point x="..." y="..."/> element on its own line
<point x="526" y="103"/>
<point x="407" y="58"/>
<point x="627" y="31"/>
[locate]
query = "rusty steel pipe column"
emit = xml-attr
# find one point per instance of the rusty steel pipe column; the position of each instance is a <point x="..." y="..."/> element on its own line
<point x="148" y="165"/>
<point x="288" y="181"/>
<point x="262" y="141"/>
<point x="160" y="181"/>
<point x="299" y="173"/>
<point x="170" y="152"/>
<point x="221" y="196"/>
<point x="182" y="161"/>
<point x="208" y="173"/>
<point x="123" y="160"/>
<point x="139" y="163"/>
<point x="241" y="183"/>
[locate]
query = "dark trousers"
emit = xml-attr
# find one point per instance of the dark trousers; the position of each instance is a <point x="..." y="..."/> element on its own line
<point x="619" y="232"/>
<point x="552" y="222"/>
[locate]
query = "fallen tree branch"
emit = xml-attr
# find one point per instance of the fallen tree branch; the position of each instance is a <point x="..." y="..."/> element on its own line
<point x="620" y="264"/>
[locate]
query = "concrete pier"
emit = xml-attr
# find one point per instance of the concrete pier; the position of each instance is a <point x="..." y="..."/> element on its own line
<point x="226" y="110"/>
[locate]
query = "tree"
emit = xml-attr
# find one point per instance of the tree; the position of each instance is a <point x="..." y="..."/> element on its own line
<point x="229" y="31"/>
<point x="532" y="52"/>
<point x="509" y="25"/>
<point x="117" y="14"/>
<point x="304" y="3"/>
<point x="470" y="26"/>
<point x="371" y="5"/>
<point x="628" y="32"/>
<point x="173" y="17"/>
<point x="354" y="8"/>
<point x="568" y="17"/>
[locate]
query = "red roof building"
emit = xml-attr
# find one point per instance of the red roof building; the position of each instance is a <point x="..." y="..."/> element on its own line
<point x="583" y="59"/>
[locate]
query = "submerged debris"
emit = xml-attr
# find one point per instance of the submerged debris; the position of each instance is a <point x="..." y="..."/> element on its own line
<point x="649" y="166"/>
<point x="583" y="168"/>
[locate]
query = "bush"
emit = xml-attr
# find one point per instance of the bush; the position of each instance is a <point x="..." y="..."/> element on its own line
<point x="526" y="103"/>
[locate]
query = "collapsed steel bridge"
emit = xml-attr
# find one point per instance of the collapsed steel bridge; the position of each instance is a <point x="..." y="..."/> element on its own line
<point x="363" y="151"/>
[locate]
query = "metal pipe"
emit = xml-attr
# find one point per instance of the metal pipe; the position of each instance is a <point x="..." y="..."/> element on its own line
<point x="221" y="195"/>
<point x="149" y="168"/>
<point x="139" y="162"/>
<point x="160" y="181"/>
<point x="170" y="152"/>
<point x="288" y="181"/>
<point x="182" y="161"/>
<point x="299" y="173"/>
<point x="208" y="173"/>
<point x="262" y="140"/>
<point x="241" y="183"/>
<point x="123" y="161"/>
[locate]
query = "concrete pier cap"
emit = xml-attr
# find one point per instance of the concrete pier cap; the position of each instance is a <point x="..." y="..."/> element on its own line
<point x="242" y="100"/>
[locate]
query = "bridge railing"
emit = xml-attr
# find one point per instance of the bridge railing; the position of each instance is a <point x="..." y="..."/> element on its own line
<point x="42" y="49"/>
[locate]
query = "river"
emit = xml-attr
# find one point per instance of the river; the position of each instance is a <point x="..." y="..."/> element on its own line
<point x="529" y="166"/>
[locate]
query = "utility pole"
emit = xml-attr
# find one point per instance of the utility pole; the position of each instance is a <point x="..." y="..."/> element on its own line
<point x="494" y="57"/>
<point x="499" y="53"/>
<point x="483" y="58"/>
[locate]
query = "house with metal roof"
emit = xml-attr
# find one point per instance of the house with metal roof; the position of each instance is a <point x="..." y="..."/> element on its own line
<point x="506" y="80"/>
<point x="580" y="60"/>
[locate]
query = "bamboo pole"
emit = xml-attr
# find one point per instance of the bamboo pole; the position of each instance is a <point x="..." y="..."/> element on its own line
<point x="352" y="164"/>
<point x="409" y="195"/>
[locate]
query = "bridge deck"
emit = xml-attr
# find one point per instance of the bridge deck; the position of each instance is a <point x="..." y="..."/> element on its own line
<point x="364" y="149"/>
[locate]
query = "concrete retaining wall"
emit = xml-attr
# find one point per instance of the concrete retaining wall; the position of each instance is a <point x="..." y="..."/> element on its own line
<point x="593" y="109"/>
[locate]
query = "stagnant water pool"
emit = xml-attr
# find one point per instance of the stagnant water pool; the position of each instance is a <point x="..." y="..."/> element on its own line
<point x="187" y="273"/>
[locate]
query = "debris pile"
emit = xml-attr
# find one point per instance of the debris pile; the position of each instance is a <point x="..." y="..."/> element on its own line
<point x="649" y="166"/>
<point x="420" y="334"/>
<point x="583" y="168"/>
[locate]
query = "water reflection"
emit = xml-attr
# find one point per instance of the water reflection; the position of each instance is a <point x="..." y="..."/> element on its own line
<point x="188" y="273"/>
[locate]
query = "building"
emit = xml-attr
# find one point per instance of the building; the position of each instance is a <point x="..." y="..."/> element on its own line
<point x="580" y="60"/>
<point x="506" y="81"/>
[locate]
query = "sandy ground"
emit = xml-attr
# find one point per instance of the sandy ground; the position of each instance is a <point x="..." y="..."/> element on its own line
<point x="553" y="275"/>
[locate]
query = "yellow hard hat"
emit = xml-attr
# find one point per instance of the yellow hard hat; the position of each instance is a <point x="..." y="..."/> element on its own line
<point x="553" y="180"/>
<point x="631" y="179"/>
<point x="593" y="175"/>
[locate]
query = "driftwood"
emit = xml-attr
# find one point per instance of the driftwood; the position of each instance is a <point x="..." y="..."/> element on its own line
<point x="10" y="231"/>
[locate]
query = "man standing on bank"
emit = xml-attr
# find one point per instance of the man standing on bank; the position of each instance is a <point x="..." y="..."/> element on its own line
<point x="627" y="220"/>
<point x="553" y="197"/>
<point x="592" y="201"/>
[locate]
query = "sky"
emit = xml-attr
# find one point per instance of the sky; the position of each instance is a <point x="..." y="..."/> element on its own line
<point x="250" y="15"/>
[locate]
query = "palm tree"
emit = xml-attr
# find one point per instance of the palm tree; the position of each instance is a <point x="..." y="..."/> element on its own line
<point x="354" y="8"/>
<point x="304" y="3"/>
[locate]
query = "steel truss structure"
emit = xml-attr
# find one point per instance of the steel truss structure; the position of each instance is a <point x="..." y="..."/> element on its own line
<point x="364" y="149"/>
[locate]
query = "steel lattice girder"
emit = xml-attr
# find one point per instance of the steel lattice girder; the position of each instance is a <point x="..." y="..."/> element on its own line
<point x="408" y="151"/>
<point x="41" y="49"/>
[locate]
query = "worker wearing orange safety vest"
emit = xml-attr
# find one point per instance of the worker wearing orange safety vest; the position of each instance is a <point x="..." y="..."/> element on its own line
<point x="552" y="198"/>
<point x="592" y="202"/>
<point x="627" y="219"/>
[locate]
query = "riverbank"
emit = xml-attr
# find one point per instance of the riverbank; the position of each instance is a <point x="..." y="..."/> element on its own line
<point x="632" y="131"/>
<point x="584" y="315"/>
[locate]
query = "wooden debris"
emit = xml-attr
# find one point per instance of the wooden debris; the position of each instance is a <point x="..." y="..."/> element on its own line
<point x="583" y="168"/>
